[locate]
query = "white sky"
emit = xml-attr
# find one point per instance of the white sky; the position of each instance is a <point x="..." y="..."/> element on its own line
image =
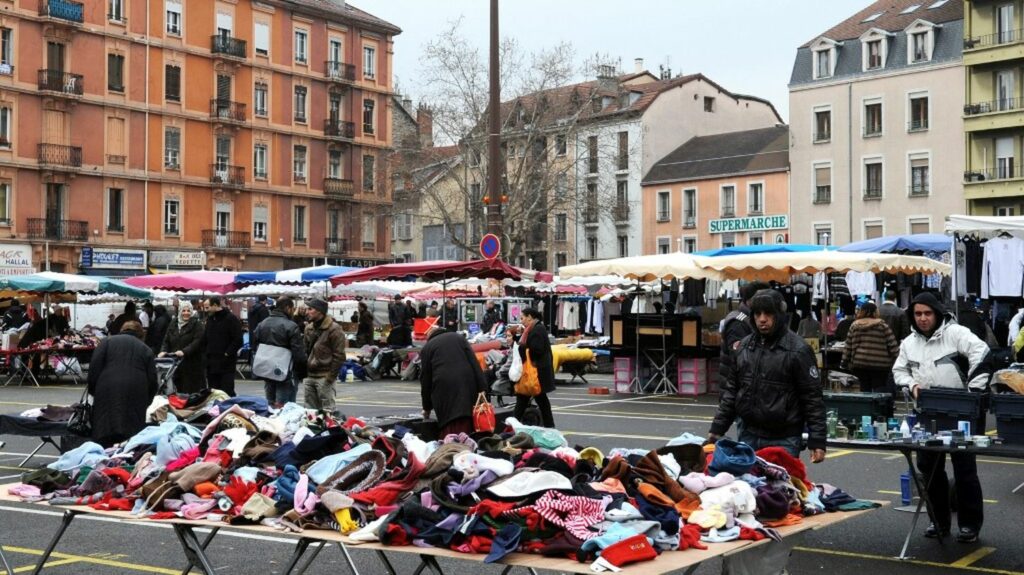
<point x="747" y="46"/>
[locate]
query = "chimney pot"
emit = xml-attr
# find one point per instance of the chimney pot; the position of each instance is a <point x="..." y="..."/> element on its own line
<point x="638" y="65"/>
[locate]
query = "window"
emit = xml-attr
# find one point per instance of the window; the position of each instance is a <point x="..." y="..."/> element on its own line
<point x="621" y="200"/>
<point x="623" y="163"/>
<point x="1006" y="90"/>
<point x="822" y="125"/>
<point x="172" y="211"/>
<point x="6" y="120"/>
<point x="369" y="167"/>
<point x="874" y="55"/>
<point x="401" y="227"/>
<point x="561" y="186"/>
<point x="919" y="226"/>
<point x="1004" y="158"/>
<point x="664" y="206"/>
<point x="561" y="260"/>
<point x="173" y="17"/>
<point x="369" y="62"/>
<point x="709" y="104"/>
<point x="1006" y="24"/>
<point x="115" y="10"/>
<point x="5" y="204"/>
<point x="689" y="245"/>
<point x="299" y="163"/>
<point x="560" y="146"/>
<point x="823" y="234"/>
<point x="115" y="72"/>
<point x="918" y="113"/>
<point x="664" y="245"/>
<point x="561" y="227"/>
<point x="872" y="179"/>
<point x="873" y="229"/>
<point x="261" y="38"/>
<point x="919" y="47"/>
<point x="755" y="238"/>
<point x="591" y="248"/>
<point x="369" y="230"/>
<point x="300" y="104"/>
<point x="334" y="164"/>
<point x="475" y="194"/>
<point x="299" y="224"/>
<point x="301" y="39"/>
<point x="623" y="242"/>
<point x="172" y="148"/>
<point x="259" y="223"/>
<point x="728" y="240"/>
<point x="823" y="64"/>
<point x="259" y="161"/>
<point x="823" y="184"/>
<point x="919" y="181"/>
<point x="115" y="210"/>
<point x="368" y="123"/>
<point x="755" y="198"/>
<point x="872" y="119"/>
<point x="1003" y="211"/>
<point x="6" y="51"/>
<point x="728" y="201"/>
<point x="172" y="83"/>
<point x="260" y="99"/>
<point x="690" y="208"/>
<point x="592" y="154"/>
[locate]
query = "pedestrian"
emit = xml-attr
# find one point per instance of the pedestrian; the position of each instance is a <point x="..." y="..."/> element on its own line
<point x="15" y="317"/>
<point x="492" y="315"/>
<point x="364" y="333"/>
<point x="146" y="317"/>
<point x="871" y="349"/>
<point x="432" y="310"/>
<point x="223" y="338"/>
<point x="450" y="381"/>
<point x="325" y="350"/>
<point x="122" y="382"/>
<point x="931" y="357"/>
<point x="257" y="314"/>
<point x="410" y="316"/>
<point x="450" y="316"/>
<point x="401" y="323"/>
<point x="158" y="327"/>
<point x="735" y="326"/>
<point x="774" y="388"/>
<point x="894" y="317"/>
<point x="279" y="330"/>
<point x="185" y="341"/>
<point x="535" y="340"/>
<point x="843" y="327"/>
<point x="129" y="314"/>
<point x="299" y="317"/>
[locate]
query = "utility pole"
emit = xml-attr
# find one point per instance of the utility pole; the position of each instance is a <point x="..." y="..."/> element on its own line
<point x="495" y="165"/>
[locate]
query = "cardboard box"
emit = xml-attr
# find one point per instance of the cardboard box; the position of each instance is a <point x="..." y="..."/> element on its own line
<point x="10" y="341"/>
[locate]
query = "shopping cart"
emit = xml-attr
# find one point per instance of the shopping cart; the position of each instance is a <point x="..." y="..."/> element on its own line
<point x="165" y="368"/>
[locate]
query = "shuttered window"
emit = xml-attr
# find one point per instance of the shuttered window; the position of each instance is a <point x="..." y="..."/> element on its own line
<point x="172" y="83"/>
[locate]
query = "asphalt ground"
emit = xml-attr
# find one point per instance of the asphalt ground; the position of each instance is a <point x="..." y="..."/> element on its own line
<point x="854" y="547"/>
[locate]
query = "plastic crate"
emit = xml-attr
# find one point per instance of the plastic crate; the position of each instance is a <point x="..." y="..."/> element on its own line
<point x="854" y="406"/>
<point x="713" y="367"/>
<point x="1009" y="411"/>
<point x="691" y="376"/>
<point x="947" y="407"/>
<point x="622" y="374"/>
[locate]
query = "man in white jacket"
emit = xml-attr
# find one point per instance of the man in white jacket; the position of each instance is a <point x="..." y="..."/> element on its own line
<point x="933" y="356"/>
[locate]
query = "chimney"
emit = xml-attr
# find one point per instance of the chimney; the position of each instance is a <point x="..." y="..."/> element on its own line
<point x="425" y="120"/>
<point x="638" y="65"/>
<point x="407" y="104"/>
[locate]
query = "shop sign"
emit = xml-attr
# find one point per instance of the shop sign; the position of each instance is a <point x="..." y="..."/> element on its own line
<point x="751" y="224"/>
<point x="113" y="259"/>
<point x="362" y="263"/>
<point x="177" y="259"/>
<point x="16" y="260"/>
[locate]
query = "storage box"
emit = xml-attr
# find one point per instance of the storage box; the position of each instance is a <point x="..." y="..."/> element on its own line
<point x="1009" y="411"/>
<point x="854" y="406"/>
<point x="11" y="340"/>
<point x="623" y="373"/>
<point x="691" y="376"/>
<point x="948" y="406"/>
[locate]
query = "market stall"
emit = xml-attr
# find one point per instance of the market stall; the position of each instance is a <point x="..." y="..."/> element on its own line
<point x="203" y="281"/>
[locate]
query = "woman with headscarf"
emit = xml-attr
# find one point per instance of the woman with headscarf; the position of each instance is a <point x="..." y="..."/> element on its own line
<point x="184" y="340"/>
<point x="871" y="349"/>
<point x="122" y="382"/>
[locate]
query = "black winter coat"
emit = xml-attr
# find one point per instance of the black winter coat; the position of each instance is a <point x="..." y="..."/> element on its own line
<point x="122" y="381"/>
<point x="774" y="387"/>
<point x="223" y="340"/>
<point x="187" y="338"/>
<point x="737" y="326"/>
<point x="281" y="331"/>
<point x="540" y="354"/>
<point x="450" y="377"/>
<point x="158" y="331"/>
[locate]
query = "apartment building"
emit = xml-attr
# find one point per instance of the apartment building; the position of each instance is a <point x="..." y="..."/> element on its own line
<point x="719" y="191"/>
<point x="874" y="104"/>
<point x="993" y="112"/>
<point x="171" y="134"/>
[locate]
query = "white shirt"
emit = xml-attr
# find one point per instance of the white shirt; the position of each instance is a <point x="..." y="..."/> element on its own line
<point x="1002" y="270"/>
<point x="860" y="283"/>
<point x="144" y="319"/>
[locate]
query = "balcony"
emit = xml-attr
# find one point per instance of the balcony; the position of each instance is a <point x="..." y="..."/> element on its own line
<point x="6" y="70"/>
<point x="338" y="188"/>
<point x="993" y="48"/>
<point x="919" y="191"/>
<point x="823" y="195"/>
<point x="65" y="10"/>
<point x="621" y="213"/>
<point x="61" y="156"/>
<point x="561" y="236"/>
<point x="223" y="239"/>
<point x="60" y="82"/>
<point x="590" y="216"/>
<point x="728" y="212"/>
<point x="1003" y="181"/>
<point x="227" y="176"/>
<point x="339" y="71"/>
<point x="227" y="111"/>
<point x="873" y="193"/>
<point x="689" y="221"/>
<point x="227" y="46"/>
<point x="58" y="230"/>
<point x="1000" y="105"/>
<point x="335" y="246"/>
<point x="1005" y="172"/>
<point x="663" y="216"/>
<point x="340" y="129"/>
<point x="919" y="125"/>
<point x="997" y="39"/>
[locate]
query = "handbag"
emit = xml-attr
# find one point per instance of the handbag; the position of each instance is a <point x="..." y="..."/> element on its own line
<point x="529" y="383"/>
<point x="272" y="362"/>
<point x="483" y="414"/>
<point x="80" y="422"/>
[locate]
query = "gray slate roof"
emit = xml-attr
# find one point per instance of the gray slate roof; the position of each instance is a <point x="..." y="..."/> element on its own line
<point x="724" y="155"/>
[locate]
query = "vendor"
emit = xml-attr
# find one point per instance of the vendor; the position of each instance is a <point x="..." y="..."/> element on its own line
<point x="492" y="315"/>
<point x="364" y="333"/>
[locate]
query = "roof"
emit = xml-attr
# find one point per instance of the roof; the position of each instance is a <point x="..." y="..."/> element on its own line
<point x="721" y="155"/>
<point x="892" y="17"/>
<point x="345" y="10"/>
<point x="427" y="165"/>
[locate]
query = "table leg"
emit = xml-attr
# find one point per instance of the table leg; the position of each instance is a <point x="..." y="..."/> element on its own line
<point x="41" y="445"/>
<point x="348" y="558"/>
<point x="205" y="544"/>
<point x="309" y="562"/>
<point x="300" y="548"/>
<point x="431" y="563"/>
<point x="3" y="559"/>
<point x="65" y="521"/>
<point x="193" y="549"/>
<point x="923" y="500"/>
<point x="387" y="564"/>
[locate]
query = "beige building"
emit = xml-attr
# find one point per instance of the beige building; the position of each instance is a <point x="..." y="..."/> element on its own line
<point x="876" y="107"/>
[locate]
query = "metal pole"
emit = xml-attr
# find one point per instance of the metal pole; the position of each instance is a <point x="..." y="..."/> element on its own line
<point x="494" y="162"/>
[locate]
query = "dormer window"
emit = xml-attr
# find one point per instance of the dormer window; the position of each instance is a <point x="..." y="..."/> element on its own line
<point x="920" y="41"/>
<point x="874" y="54"/>
<point x="874" y="49"/>
<point x="919" y="47"/>
<point x="823" y="52"/>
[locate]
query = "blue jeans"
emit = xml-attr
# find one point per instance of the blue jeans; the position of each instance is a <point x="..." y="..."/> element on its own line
<point x="790" y="444"/>
<point x="280" y="392"/>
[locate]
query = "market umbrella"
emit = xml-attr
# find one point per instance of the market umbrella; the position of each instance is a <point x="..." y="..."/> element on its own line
<point x="432" y="271"/>
<point x="205" y="281"/>
<point x="53" y="282"/>
<point x="780" y="266"/>
<point x="300" y="275"/>
<point x="905" y="243"/>
<point x="761" y="249"/>
<point x="646" y="268"/>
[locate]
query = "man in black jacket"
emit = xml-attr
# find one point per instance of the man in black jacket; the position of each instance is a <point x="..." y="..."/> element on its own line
<point x="257" y="314"/>
<point x="773" y="385"/>
<point x="158" y="326"/>
<point x="450" y="380"/>
<point x="279" y="330"/>
<point x="223" y="340"/>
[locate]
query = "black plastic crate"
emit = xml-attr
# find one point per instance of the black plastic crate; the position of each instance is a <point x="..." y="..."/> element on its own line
<point x="1009" y="411"/>
<point x="852" y="405"/>
<point x="947" y="407"/>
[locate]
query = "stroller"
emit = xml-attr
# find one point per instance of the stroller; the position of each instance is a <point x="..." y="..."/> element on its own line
<point x="165" y="368"/>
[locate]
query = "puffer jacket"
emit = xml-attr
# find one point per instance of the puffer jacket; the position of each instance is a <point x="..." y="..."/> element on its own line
<point x="278" y="330"/>
<point x="325" y="348"/>
<point x="775" y="387"/>
<point x="870" y="344"/>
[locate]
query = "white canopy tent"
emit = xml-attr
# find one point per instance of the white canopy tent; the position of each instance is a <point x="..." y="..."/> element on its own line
<point x="780" y="266"/>
<point x="646" y="268"/>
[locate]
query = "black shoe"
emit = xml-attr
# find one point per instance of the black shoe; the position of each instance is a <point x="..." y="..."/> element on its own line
<point x="967" y="535"/>
<point x="934" y="532"/>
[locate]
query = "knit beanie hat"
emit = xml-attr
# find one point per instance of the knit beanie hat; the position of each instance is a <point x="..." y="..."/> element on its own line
<point x="783" y="458"/>
<point x="521" y="441"/>
<point x="317" y="304"/>
<point x="363" y="473"/>
<point x="698" y="482"/>
<point x="650" y="469"/>
<point x="441" y="459"/>
<point x="771" y="504"/>
<point x="593" y="455"/>
<point x="335" y="501"/>
<point x="188" y="477"/>
<point x="732" y="456"/>
<point x="258" y="506"/>
<point x="722" y="535"/>
<point x="632" y="550"/>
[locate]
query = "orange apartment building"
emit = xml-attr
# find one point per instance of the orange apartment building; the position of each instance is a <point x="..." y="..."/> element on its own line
<point x="183" y="133"/>
<point x="719" y="191"/>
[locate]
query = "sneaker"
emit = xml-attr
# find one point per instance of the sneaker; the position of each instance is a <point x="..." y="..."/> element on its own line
<point x="967" y="535"/>
<point x="934" y="532"/>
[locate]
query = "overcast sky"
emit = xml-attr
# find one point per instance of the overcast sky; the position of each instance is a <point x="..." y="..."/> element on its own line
<point x="747" y="46"/>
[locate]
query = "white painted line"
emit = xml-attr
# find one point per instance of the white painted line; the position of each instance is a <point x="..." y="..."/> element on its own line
<point x="24" y="454"/>
<point x="604" y="402"/>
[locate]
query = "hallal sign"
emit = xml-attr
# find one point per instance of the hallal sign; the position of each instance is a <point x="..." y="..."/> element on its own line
<point x="16" y="260"/>
<point x="750" y="224"/>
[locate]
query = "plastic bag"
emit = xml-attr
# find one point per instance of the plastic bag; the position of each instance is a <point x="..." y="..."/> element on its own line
<point x="516" y="371"/>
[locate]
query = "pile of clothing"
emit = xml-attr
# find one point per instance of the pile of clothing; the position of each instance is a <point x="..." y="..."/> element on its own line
<point x="523" y="490"/>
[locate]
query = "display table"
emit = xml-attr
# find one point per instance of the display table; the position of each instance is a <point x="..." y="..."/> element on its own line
<point x="195" y="550"/>
<point x="46" y="431"/>
<point x="14" y="361"/>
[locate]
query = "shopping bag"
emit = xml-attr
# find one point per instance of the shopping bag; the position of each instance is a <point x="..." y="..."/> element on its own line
<point x="272" y="362"/>
<point x="483" y="414"/>
<point x="516" y="371"/>
<point x="529" y="383"/>
<point x="80" y="422"/>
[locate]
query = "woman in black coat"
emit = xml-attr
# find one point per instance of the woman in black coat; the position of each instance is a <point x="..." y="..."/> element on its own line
<point x="450" y="380"/>
<point x="535" y="339"/>
<point x="364" y="333"/>
<point x="122" y="382"/>
<point x="185" y="341"/>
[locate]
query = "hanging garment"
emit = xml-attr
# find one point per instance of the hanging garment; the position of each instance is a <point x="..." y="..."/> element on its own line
<point x="1002" y="272"/>
<point x="974" y="258"/>
<point x="860" y="283"/>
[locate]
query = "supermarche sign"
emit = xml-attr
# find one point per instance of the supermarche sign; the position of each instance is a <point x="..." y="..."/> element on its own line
<point x="751" y="224"/>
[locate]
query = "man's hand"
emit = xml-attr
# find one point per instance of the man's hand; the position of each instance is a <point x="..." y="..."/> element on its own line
<point x="179" y="354"/>
<point x="162" y="354"/>
<point x="817" y="456"/>
<point x="712" y="439"/>
<point x="426" y="414"/>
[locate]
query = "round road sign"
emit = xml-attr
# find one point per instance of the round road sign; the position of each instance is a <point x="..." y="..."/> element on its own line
<point x="490" y="246"/>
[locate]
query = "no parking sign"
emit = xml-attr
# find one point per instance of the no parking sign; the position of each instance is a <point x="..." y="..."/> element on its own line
<point x="490" y="246"/>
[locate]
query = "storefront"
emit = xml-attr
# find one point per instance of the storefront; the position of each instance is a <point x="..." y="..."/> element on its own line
<point x="16" y="260"/>
<point x="176" y="261"/>
<point x="113" y="263"/>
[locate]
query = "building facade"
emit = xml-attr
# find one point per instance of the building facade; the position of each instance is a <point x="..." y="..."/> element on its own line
<point x="874" y="104"/>
<point x="236" y="135"/>
<point x="719" y="191"/>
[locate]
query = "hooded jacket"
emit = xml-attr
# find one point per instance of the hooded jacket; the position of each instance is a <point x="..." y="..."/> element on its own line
<point x="870" y="344"/>
<point x="773" y="384"/>
<point x="952" y="357"/>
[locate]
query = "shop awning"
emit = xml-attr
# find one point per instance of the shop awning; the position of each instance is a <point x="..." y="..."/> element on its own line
<point x="52" y="282"/>
<point x="300" y="275"/>
<point x="985" y="225"/>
